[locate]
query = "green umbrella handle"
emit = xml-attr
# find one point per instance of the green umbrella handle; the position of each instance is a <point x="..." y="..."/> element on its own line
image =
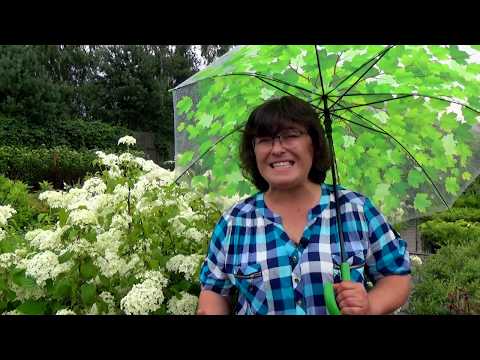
<point x="329" y="293"/>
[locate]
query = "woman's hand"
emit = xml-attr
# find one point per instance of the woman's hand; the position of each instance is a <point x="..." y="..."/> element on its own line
<point x="352" y="298"/>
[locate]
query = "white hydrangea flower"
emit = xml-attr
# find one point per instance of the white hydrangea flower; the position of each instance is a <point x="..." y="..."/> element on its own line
<point x="107" y="160"/>
<point x="121" y="221"/>
<point x="54" y="199"/>
<point x="7" y="260"/>
<point x="108" y="240"/>
<point x="93" y="310"/>
<point x="416" y="260"/>
<point x="6" y="212"/>
<point x="76" y="198"/>
<point x="111" y="263"/>
<point x="44" y="266"/>
<point x="82" y="218"/>
<point x="186" y="305"/>
<point x="194" y="235"/>
<point x="46" y="239"/>
<point x="65" y="312"/>
<point x="120" y="193"/>
<point x="146" y="165"/>
<point x="143" y="298"/>
<point x="23" y="293"/>
<point x="81" y="247"/>
<point x="187" y="213"/>
<point x="102" y="204"/>
<point x="184" y="264"/>
<point x="114" y="172"/>
<point x="127" y="159"/>
<point x="127" y="140"/>
<point x="161" y="176"/>
<point x="13" y="312"/>
<point x="94" y="186"/>
<point x="156" y="276"/>
<point x="144" y="206"/>
<point x="107" y="297"/>
<point x="177" y="224"/>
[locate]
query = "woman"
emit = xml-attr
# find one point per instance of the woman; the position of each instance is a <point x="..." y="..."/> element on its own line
<point x="279" y="246"/>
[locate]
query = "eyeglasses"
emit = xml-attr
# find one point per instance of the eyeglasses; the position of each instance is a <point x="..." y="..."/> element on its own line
<point x="288" y="138"/>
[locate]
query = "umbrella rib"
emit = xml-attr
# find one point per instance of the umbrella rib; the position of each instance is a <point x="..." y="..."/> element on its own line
<point x="206" y="151"/>
<point x="377" y="58"/>
<point x="404" y="148"/>
<point x="261" y="76"/>
<point x="375" y="102"/>
<point x="402" y="95"/>
<point x="319" y="70"/>
<point x="358" y="124"/>
<point x="380" y="54"/>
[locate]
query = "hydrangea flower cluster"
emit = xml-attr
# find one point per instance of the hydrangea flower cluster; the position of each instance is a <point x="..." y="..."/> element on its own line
<point x="126" y="241"/>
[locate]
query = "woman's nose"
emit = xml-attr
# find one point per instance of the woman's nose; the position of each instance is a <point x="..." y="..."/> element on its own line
<point x="277" y="145"/>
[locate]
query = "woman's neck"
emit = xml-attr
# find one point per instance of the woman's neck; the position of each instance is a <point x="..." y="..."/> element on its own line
<point x="307" y="194"/>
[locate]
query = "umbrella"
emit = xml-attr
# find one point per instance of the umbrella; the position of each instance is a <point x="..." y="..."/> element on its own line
<point x="403" y="120"/>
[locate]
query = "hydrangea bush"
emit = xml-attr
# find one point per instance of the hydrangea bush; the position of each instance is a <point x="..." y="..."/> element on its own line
<point x="127" y="241"/>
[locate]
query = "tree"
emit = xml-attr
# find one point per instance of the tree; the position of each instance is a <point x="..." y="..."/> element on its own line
<point x="26" y="89"/>
<point x="211" y="52"/>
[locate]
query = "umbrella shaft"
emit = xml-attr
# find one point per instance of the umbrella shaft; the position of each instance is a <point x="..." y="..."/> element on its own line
<point x="328" y="131"/>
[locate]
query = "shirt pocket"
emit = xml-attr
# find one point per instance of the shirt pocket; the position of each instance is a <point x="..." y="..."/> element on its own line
<point x="357" y="263"/>
<point x="251" y="288"/>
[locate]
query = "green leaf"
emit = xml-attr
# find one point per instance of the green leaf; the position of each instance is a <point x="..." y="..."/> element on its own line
<point x="449" y="145"/>
<point x="31" y="307"/>
<point x="205" y="120"/>
<point x="422" y="203"/>
<point x="185" y="158"/>
<point x="88" y="294"/>
<point x="415" y="178"/>
<point x="451" y="185"/>
<point x="62" y="288"/>
<point x="62" y="217"/>
<point x="449" y="122"/>
<point x="3" y="285"/>
<point x="180" y="127"/>
<point x="184" y="104"/>
<point x="19" y="278"/>
<point x="466" y="176"/>
<point x="65" y="257"/>
<point x="87" y="269"/>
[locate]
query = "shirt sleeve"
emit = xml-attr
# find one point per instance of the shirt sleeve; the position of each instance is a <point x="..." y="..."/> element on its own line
<point x="388" y="254"/>
<point x="212" y="275"/>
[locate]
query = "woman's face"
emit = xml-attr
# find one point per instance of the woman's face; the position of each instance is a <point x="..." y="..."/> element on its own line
<point x="286" y="163"/>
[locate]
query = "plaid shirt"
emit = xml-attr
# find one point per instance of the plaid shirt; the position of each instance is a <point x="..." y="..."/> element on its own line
<point x="251" y="251"/>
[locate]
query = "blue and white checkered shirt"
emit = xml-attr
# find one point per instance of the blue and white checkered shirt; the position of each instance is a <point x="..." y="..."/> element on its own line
<point x="251" y="251"/>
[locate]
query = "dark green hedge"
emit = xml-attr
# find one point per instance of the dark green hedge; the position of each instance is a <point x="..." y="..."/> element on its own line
<point x="437" y="233"/>
<point x="57" y="165"/>
<point x="457" y="213"/>
<point x="448" y="282"/>
<point x="74" y="133"/>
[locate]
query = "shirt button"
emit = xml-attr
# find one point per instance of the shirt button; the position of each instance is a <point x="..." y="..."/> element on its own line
<point x="294" y="259"/>
<point x="296" y="279"/>
<point x="299" y="302"/>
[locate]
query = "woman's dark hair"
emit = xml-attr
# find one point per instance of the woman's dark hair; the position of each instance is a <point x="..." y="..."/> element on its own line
<point x="272" y="117"/>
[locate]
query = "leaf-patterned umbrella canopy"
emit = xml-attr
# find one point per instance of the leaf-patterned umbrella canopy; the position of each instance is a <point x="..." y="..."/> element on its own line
<point x="406" y="120"/>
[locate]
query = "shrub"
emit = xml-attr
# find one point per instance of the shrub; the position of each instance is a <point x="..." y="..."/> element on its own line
<point x="454" y="214"/>
<point x="468" y="200"/>
<point x="74" y="133"/>
<point x="438" y="233"/>
<point x="448" y="282"/>
<point x="15" y="193"/>
<point x="127" y="241"/>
